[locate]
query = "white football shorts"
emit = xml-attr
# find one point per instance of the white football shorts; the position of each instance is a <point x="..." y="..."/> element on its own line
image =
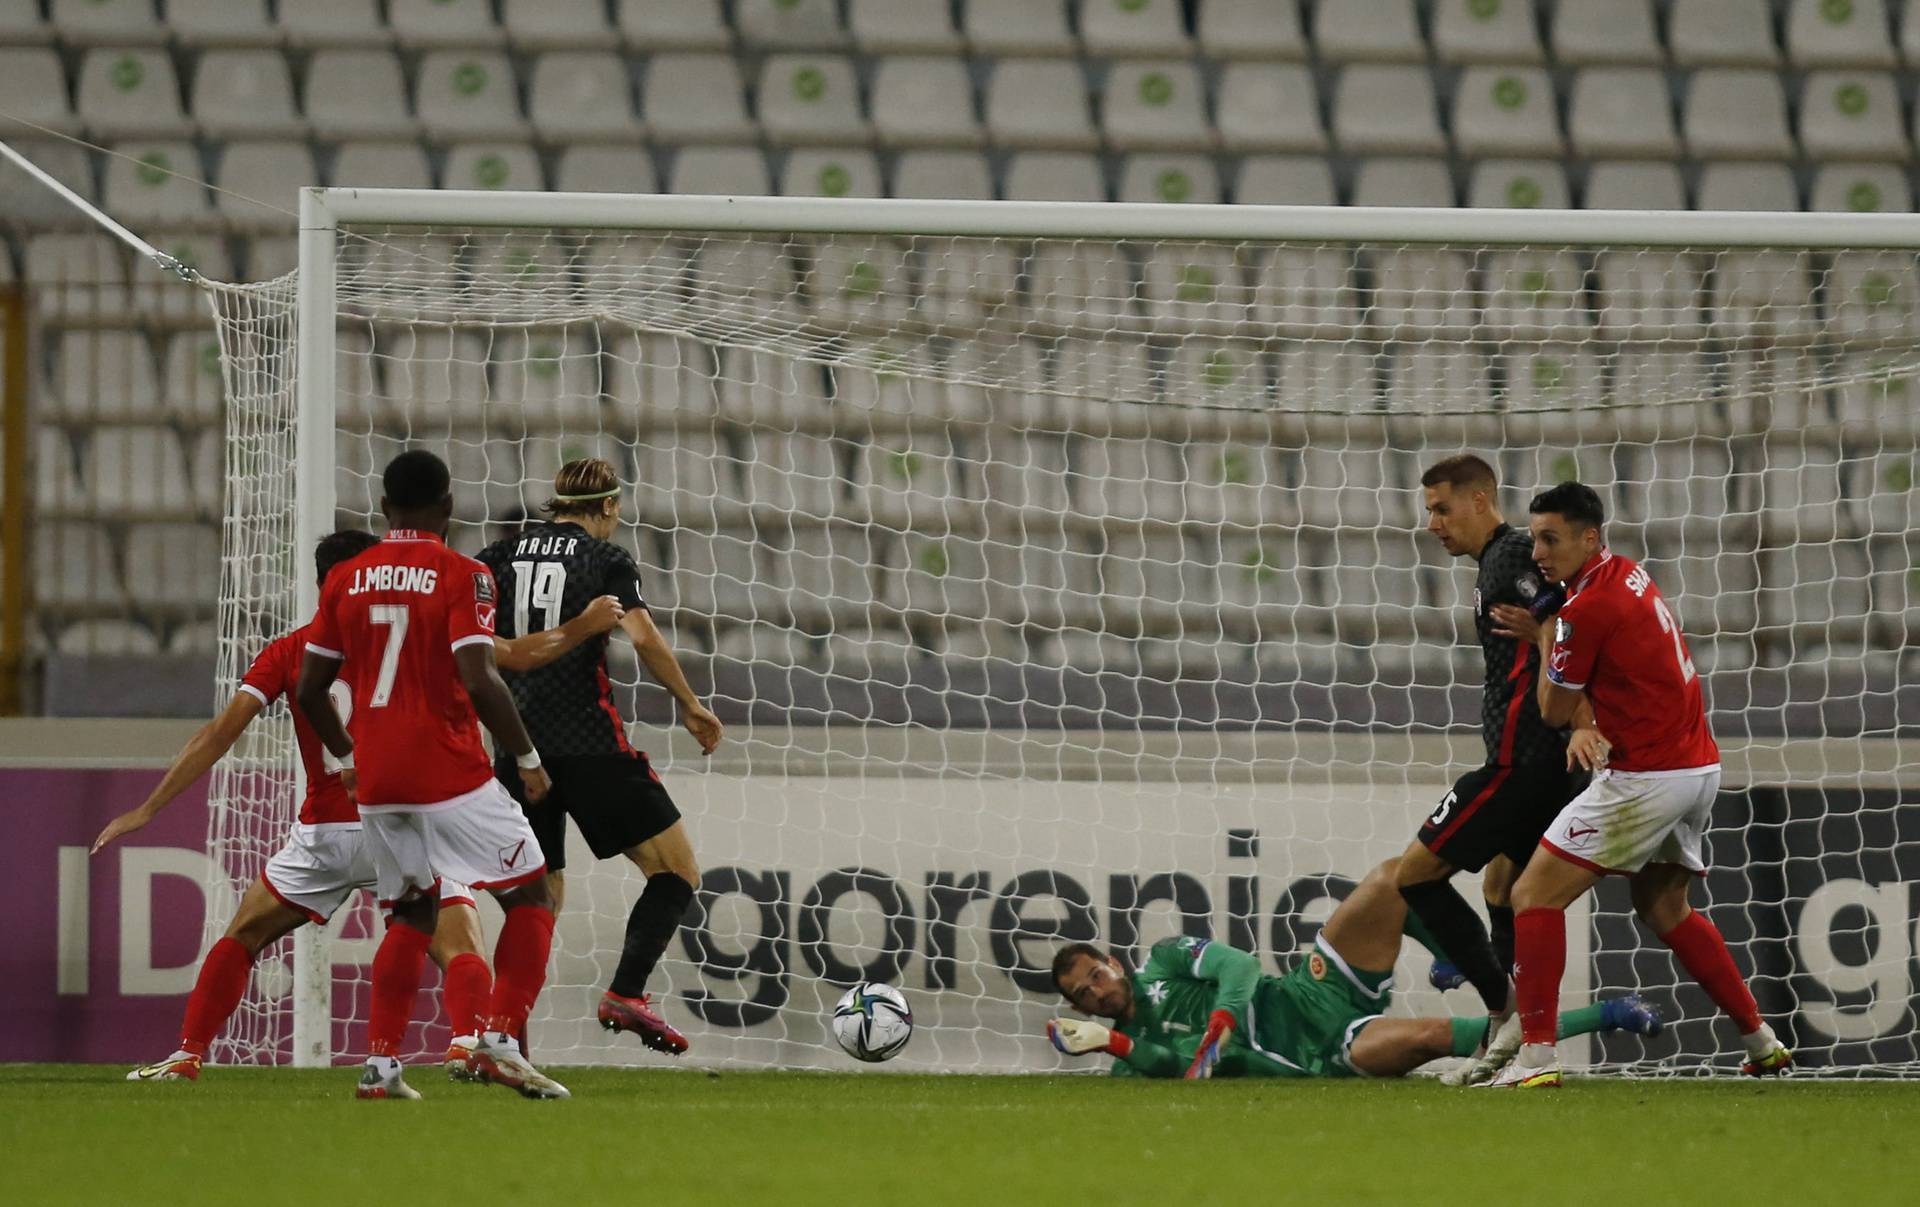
<point x="321" y="866"/>
<point x="1626" y="820"/>
<point x="479" y="839"/>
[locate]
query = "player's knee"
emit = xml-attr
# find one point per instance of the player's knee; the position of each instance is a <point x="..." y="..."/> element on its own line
<point x="685" y="868"/>
<point x="1660" y="908"/>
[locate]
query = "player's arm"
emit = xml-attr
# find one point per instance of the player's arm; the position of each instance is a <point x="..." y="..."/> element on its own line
<point x="318" y="670"/>
<point x="491" y="701"/>
<point x="535" y="650"/>
<point x="1132" y="1057"/>
<point x="1558" y="702"/>
<point x="1234" y="975"/>
<point x="195" y="759"/>
<point x="658" y="658"/>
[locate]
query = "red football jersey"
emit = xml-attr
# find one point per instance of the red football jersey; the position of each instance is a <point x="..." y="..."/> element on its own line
<point x="273" y="675"/>
<point x="1617" y="640"/>
<point x="397" y="613"/>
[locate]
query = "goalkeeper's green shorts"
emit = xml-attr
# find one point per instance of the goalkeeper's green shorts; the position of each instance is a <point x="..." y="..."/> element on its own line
<point x="1309" y="1017"/>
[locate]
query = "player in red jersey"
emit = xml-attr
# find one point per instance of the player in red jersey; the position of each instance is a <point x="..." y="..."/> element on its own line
<point x="1616" y="641"/>
<point x="324" y="860"/>
<point x="417" y="618"/>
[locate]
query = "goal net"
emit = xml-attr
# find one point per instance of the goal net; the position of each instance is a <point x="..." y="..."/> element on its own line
<point x="1060" y="574"/>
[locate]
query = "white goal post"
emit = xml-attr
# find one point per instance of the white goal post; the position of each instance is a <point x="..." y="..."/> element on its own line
<point x="1058" y="569"/>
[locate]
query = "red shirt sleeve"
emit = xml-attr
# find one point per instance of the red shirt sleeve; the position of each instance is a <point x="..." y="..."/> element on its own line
<point x="323" y="635"/>
<point x="267" y="679"/>
<point x="470" y="597"/>
<point x="1577" y="635"/>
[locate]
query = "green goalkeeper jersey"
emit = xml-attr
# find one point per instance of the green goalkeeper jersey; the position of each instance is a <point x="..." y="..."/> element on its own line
<point x="1297" y="1025"/>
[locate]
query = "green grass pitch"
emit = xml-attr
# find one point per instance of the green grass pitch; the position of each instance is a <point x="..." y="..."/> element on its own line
<point x="79" y="1134"/>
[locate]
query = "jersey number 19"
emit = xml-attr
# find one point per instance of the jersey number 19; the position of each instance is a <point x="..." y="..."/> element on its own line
<point x="537" y="585"/>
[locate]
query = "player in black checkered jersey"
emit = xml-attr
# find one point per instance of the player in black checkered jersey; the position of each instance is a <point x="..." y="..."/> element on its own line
<point x="547" y="574"/>
<point x="1495" y="814"/>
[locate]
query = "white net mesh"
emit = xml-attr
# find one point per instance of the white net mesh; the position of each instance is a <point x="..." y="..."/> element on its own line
<point x="1077" y="588"/>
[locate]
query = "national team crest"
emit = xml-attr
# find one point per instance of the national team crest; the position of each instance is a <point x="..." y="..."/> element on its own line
<point x="1316" y="966"/>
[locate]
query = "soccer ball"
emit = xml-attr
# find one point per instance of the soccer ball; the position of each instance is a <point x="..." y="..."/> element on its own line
<point x="872" y="1022"/>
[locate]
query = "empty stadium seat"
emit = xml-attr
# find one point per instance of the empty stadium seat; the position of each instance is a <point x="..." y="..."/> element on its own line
<point x="1747" y="186"/>
<point x="839" y="172"/>
<point x="1872" y="294"/>
<point x="1505" y="111"/>
<point x="1861" y="188"/>
<point x="33" y="88"/>
<point x="810" y="99"/>
<point x="1635" y="186"/>
<point x="1557" y="377"/>
<point x="108" y="22"/>
<point x="722" y="171"/>
<point x="695" y="98"/>
<point x="1119" y="28"/>
<point x="271" y="173"/>
<point x="223" y="23"/>
<point x="136" y="471"/>
<point x="557" y="24"/>
<point x="357" y="94"/>
<point x="245" y="93"/>
<point x="1910" y="31"/>
<point x="672" y="25"/>
<point x="195" y="391"/>
<point x="794" y="475"/>
<point x="961" y="175"/>
<point x="1534" y="293"/>
<point x="1605" y="32"/>
<point x="1398" y="181"/>
<point x="1310" y="287"/>
<point x="131" y="94"/>
<point x="1385" y="109"/>
<point x="1183" y="284"/>
<point x="380" y="165"/>
<point x="1127" y="479"/>
<point x="1737" y="114"/>
<point x="1417" y="380"/>
<point x="1839" y="33"/>
<point x="1485" y="31"/>
<point x="1762" y="292"/>
<point x="769" y="390"/>
<point x="549" y="379"/>
<point x="22" y="23"/>
<point x="1039" y="103"/>
<point x="1169" y="178"/>
<point x="1016" y="27"/>
<point x="657" y="376"/>
<point x="1269" y="107"/>
<point x="468" y="94"/>
<point x="967" y="280"/>
<point x="428" y="24"/>
<point x="856" y="279"/>
<point x="605" y="169"/>
<point x="789" y="24"/>
<point x="74" y="568"/>
<point x="77" y="276"/>
<point x="1422" y="290"/>
<point x="924" y="101"/>
<point x="156" y="183"/>
<point x="1155" y="105"/>
<point x="432" y="374"/>
<point x="1852" y="115"/>
<point x="337" y="23"/>
<point x="903" y="26"/>
<point x="1721" y="33"/>
<point x="1373" y="31"/>
<point x="1622" y="111"/>
<point x="1217" y="373"/>
<point x="1284" y="180"/>
<point x="1519" y="184"/>
<point x="582" y="96"/>
<point x="173" y="564"/>
<point x="107" y="638"/>
<point x="104" y="376"/>
<point x="1255" y="29"/>
<point x="57" y="488"/>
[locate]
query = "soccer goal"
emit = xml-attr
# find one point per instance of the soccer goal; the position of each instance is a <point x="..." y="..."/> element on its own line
<point x="1059" y="572"/>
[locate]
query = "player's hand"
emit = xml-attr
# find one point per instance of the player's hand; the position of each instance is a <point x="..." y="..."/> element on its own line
<point x="1082" y="1037"/>
<point x="534" y="780"/>
<point x="704" y="726"/>
<point x="1588" y="748"/>
<point x="350" y="780"/>
<point x="1512" y="621"/>
<point x="122" y="825"/>
<point x="1219" y="1028"/>
<point x="602" y="614"/>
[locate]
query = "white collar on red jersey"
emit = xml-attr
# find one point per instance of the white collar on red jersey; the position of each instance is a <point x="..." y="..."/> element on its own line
<point x="413" y="534"/>
<point x="1586" y="572"/>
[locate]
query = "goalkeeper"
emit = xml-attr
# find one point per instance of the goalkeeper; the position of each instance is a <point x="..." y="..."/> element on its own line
<point x="1204" y="1009"/>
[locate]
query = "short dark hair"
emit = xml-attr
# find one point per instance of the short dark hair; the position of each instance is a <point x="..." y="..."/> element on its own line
<point x="1065" y="957"/>
<point x="341" y="546"/>
<point x="1579" y="503"/>
<point x="416" y="479"/>
<point x="1460" y="471"/>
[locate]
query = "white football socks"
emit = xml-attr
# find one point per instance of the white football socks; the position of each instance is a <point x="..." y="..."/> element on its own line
<point x="1760" y="1042"/>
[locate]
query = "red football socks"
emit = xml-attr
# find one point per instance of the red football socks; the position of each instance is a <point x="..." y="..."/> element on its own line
<point x="1703" y="953"/>
<point x="396" y="979"/>
<point x="469" y="985"/>
<point x="216" y="994"/>
<point x="520" y="966"/>
<point x="1540" y="960"/>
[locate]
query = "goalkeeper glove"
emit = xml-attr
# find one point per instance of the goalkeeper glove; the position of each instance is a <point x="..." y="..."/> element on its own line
<point x="1077" y="1037"/>
<point x="1219" y="1028"/>
<point x="1552" y="597"/>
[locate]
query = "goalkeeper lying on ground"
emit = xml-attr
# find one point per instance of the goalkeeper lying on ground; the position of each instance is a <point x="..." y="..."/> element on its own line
<point x="1204" y="1009"/>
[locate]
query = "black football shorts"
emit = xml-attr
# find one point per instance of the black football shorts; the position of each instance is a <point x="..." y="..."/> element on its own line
<point x="617" y="800"/>
<point x="1499" y="811"/>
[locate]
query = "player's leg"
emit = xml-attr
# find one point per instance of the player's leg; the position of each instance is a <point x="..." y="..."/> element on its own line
<point x="466" y="980"/>
<point x="1549" y="884"/>
<point x="1366" y="929"/>
<point x="1423" y="881"/>
<point x="222" y="981"/>
<point x="1394" y="1047"/>
<point x="1496" y="888"/>
<point x="408" y="889"/>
